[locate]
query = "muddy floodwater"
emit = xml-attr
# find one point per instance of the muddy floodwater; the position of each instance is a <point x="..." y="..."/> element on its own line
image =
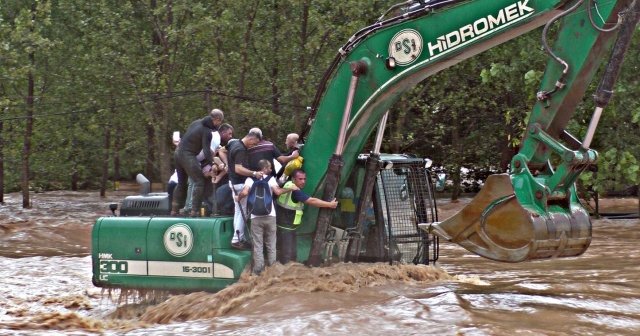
<point x="45" y="287"/>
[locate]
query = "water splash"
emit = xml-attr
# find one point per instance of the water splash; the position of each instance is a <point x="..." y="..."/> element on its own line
<point x="286" y="279"/>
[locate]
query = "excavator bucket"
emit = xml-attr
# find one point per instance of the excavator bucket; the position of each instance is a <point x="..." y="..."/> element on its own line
<point x="497" y="226"/>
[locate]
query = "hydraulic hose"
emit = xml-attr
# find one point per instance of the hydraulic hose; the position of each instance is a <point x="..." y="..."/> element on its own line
<point x="593" y="23"/>
<point x="544" y="95"/>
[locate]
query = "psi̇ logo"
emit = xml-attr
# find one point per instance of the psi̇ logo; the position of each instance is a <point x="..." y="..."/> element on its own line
<point x="405" y="46"/>
<point x="178" y="240"/>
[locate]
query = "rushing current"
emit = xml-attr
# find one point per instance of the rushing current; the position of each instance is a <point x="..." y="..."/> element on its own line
<point x="45" y="287"/>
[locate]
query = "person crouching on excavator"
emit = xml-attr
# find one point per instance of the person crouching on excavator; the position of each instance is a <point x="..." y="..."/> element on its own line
<point x="197" y="139"/>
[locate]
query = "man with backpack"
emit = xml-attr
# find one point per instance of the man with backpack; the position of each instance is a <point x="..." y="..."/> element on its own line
<point x="259" y="193"/>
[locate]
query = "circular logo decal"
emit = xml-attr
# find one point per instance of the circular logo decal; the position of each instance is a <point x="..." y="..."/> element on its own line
<point x="178" y="240"/>
<point x="405" y="46"/>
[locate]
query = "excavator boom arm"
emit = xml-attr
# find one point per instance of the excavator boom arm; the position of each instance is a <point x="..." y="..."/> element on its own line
<point x="384" y="60"/>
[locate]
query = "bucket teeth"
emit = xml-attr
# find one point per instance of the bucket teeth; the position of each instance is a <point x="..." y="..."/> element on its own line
<point x="495" y="225"/>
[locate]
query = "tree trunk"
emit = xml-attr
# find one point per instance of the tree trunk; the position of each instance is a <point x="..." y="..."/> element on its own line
<point x="1" y="162"/>
<point x="28" y="132"/>
<point x="207" y="98"/>
<point x="299" y="116"/>
<point x="148" y="167"/>
<point x="457" y="180"/>
<point x="509" y="150"/>
<point x="74" y="163"/>
<point x="105" y="162"/>
<point x="117" y="145"/>
<point x="457" y="152"/>
<point x="244" y="53"/>
<point x="158" y="130"/>
<point x="74" y="153"/>
<point x="106" y="151"/>
<point x="397" y="127"/>
<point x="507" y="153"/>
<point x="275" y="91"/>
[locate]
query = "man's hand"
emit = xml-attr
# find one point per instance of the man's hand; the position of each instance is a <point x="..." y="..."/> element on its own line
<point x="293" y="187"/>
<point x="207" y="170"/>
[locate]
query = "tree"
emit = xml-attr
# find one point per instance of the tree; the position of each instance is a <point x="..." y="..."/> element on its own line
<point x="27" y="24"/>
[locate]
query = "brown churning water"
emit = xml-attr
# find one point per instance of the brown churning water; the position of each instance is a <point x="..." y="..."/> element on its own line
<point x="45" y="288"/>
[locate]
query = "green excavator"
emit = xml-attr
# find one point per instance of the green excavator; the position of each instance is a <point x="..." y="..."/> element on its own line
<point x="387" y="210"/>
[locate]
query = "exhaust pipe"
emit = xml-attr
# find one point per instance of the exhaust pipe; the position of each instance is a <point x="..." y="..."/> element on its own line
<point x="145" y="185"/>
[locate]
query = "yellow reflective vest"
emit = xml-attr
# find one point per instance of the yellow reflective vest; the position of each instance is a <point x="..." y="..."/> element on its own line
<point x="290" y="212"/>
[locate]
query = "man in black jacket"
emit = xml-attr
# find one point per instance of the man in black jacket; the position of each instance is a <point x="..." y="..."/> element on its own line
<point x="197" y="138"/>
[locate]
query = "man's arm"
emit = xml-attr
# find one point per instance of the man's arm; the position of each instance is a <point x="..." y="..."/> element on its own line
<point x="223" y="154"/>
<point x="243" y="193"/>
<point x="316" y="202"/>
<point x="241" y="170"/>
<point x="206" y="145"/>
<point x="279" y="191"/>
<point x="284" y="158"/>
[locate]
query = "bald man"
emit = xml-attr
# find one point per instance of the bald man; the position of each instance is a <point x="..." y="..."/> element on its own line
<point x="196" y="139"/>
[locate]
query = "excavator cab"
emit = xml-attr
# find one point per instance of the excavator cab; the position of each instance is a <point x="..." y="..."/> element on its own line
<point x="380" y="224"/>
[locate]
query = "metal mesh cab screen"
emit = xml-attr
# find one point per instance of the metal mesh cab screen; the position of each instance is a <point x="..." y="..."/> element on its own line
<point x="406" y="199"/>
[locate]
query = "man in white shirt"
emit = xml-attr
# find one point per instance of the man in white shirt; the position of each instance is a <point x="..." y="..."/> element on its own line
<point x="263" y="228"/>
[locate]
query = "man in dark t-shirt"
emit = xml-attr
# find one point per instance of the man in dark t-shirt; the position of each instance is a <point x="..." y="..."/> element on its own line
<point x="268" y="151"/>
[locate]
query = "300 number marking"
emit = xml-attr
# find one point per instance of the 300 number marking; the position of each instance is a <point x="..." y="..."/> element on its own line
<point x="113" y="266"/>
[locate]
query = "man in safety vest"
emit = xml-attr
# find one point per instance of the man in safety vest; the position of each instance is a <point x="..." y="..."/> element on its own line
<point x="289" y="215"/>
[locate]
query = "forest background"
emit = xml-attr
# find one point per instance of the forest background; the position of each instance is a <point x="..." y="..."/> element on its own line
<point x="91" y="91"/>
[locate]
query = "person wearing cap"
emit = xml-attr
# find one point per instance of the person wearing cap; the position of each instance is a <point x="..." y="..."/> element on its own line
<point x="197" y="138"/>
<point x="266" y="150"/>
<point x="238" y="173"/>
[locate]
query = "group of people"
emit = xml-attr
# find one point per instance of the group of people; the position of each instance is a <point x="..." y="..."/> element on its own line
<point x="212" y="162"/>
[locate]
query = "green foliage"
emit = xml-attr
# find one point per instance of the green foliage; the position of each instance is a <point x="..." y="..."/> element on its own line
<point x="139" y="72"/>
<point x="617" y="138"/>
<point x="620" y="169"/>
